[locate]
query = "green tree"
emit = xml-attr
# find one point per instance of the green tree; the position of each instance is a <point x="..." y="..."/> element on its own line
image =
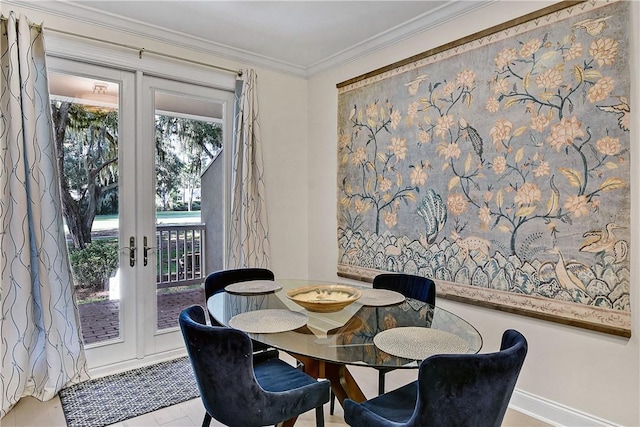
<point x="184" y="147"/>
<point x="87" y="146"/>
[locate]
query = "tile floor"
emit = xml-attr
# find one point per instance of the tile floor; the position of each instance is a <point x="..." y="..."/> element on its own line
<point x="33" y="413"/>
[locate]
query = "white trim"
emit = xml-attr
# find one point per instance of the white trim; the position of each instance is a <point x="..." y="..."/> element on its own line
<point x="73" y="48"/>
<point x="554" y="413"/>
<point x="425" y="22"/>
<point x="447" y="12"/>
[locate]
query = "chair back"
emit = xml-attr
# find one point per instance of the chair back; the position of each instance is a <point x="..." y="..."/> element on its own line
<point x="416" y="287"/>
<point x="218" y="280"/>
<point x="223" y="366"/>
<point x="469" y="389"/>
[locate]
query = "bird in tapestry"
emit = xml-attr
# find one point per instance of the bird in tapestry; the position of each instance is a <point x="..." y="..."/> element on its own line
<point x="593" y="27"/>
<point x="471" y="134"/>
<point x="434" y="213"/>
<point x="602" y="241"/>
<point x="414" y="85"/>
<point x="563" y="271"/>
<point x="622" y="109"/>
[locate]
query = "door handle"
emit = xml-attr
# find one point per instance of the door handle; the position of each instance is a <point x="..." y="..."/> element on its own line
<point x="132" y="251"/>
<point x="145" y="251"/>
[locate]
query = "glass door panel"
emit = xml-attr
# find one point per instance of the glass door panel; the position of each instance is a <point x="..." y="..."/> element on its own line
<point x="94" y="136"/>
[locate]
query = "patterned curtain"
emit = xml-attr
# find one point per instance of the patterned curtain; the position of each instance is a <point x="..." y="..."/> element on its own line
<point x="249" y="236"/>
<point x="41" y="349"/>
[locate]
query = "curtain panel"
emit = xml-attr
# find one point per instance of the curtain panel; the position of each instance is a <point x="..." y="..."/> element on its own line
<point x="41" y="349"/>
<point x="249" y="234"/>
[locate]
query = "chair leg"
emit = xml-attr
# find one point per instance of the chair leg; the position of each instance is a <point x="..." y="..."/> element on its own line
<point x="381" y="382"/>
<point x="207" y="420"/>
<point x="332" y="403"/>
<point x="320" y="416"/>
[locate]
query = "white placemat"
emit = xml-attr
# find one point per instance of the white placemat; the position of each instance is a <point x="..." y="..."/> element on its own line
<point x="253" y="287"/>
<point x="418" y="343"/>
<point x="268" y="321"/>
<point x="380" y="297"/>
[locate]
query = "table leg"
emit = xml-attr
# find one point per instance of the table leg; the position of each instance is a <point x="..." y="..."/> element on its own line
<point x="342" y="382"/>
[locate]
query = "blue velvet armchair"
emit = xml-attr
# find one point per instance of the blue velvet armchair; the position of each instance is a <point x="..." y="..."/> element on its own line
<point x="452" y="390"/>
<point x="218" y="280"/>
<point x="240" y="388"/>
<point x="415" y="287"/>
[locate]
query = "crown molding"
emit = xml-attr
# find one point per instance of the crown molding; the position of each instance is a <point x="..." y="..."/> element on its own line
<point x="87" y="15"/>
<point x="435" y="18"/>
<point x="110" y="22"/>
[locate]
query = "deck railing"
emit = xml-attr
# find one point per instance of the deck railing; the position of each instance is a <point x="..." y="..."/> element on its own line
<point x="181" y="254"/>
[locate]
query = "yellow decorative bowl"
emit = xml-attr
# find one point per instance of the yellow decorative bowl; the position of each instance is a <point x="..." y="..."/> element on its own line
<point x="324" y="298"/>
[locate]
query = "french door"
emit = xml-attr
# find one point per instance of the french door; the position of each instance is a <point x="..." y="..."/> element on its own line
<point x="99" y="142"/>
<point x="185" y="130"/>
<point x="135" y="150"/>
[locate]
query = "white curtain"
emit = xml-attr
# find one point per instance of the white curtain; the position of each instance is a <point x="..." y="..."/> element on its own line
<point x="41" y="349"/>
<point x="249" y="234"/>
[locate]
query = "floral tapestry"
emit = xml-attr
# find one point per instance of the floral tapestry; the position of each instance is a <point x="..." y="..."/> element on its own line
<point x="499" y="167"/>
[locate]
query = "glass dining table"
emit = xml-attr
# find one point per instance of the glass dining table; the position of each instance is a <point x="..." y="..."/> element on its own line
<point x="379" y="329"/>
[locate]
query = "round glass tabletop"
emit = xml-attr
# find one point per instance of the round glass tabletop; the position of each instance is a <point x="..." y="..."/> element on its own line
<point x="346" y="336"/>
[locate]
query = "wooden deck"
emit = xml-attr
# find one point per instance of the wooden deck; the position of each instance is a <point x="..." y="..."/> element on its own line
<point x="99" y="320"/>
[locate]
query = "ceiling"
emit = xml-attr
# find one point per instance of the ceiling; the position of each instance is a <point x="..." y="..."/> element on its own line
<point x="294" y="37"/>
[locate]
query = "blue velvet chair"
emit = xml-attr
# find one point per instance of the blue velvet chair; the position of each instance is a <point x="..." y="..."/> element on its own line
<point x="416" y="287"/>
<point x="240" y="388"/>
<point x="218" y="280"/>
<point x="452" y="390"/>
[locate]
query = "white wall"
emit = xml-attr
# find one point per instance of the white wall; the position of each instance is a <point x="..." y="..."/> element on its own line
<point x="283" y="118"/>
<point x="588" y="372"/>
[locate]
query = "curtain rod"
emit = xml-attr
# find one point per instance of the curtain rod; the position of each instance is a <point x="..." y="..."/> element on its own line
<point x="140" y="50"/>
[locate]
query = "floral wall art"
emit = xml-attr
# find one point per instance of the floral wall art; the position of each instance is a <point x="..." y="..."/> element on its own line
<point x="498" y="166"/>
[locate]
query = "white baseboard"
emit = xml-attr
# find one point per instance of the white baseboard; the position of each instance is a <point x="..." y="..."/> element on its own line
<point x="554" y="413"/>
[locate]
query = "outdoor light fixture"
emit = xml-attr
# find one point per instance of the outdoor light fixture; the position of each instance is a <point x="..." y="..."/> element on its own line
<point x="99" y="98"/>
